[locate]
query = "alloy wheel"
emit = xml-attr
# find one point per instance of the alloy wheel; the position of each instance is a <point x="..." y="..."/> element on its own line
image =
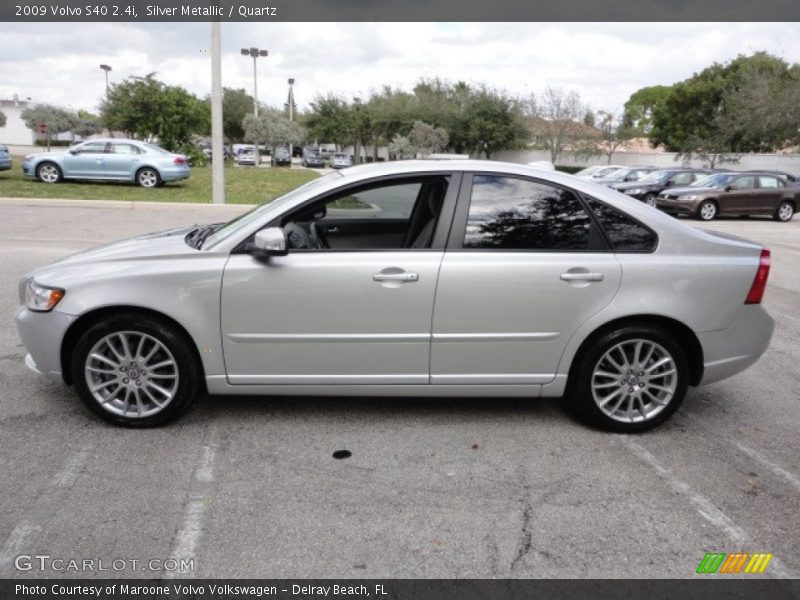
<point x="148" y="178"/>
<point x="708" y="211"/>
<point x="785" y="212"/>
<point x="131" y="374"/>
<point x="49" y="173"/>
<point x="634" y="381"/>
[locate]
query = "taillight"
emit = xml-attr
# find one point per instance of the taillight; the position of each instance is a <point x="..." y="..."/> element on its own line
<point x="760" y="281"/>
<point x="179" y="160"/>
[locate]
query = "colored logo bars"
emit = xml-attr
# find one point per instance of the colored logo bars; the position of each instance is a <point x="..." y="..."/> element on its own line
<point x="736" y="562"/>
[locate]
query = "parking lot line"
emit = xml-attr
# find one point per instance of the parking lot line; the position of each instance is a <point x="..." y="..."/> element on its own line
<point x="790" y="478"/>
<point x="188" y="537"/>
<point x="25" y="532"/>
<point x="707" y="509"/>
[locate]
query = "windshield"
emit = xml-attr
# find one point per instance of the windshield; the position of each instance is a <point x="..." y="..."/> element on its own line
<point x="255" y="214"/>
<point x="605" y="172"/>
<point x="657" y="177"/>
<point x="712" y="181"/>
<point x="619" y="174"/>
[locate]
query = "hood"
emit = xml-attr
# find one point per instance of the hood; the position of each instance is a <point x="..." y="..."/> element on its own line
<point x="162" y="244"/>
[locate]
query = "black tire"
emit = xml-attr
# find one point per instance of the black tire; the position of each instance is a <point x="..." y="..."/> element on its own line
<point x="650" y="199"/>
<point x="49" y="172"/>
<point x="784" y="212"/>
<point x="148" y="177"/>
<point x="705" y="212"/>
<point x="190" y="375"/>
<point x="582" y="396"/>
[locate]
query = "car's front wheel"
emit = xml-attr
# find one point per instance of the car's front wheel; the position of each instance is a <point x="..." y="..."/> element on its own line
<point x="650" y="200"/>
<point x="49" y="172"/>
<point x="135" y="371"/>
<point x="707" y="210"/>
<point x="631" y="379"/>
<point x="784" y="212"/>
<point x="148" y="177"/>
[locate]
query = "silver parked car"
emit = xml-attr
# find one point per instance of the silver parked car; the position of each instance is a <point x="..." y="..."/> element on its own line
<point x="109" y="160"/>
<point x="416" y="278"/>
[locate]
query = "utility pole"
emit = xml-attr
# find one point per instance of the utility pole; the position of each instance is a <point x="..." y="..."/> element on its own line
<point x="291" y="112"/>
<point x="255" y="53"/>
<point x="217" y="151"/>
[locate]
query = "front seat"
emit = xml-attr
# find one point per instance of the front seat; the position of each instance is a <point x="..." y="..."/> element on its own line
<point x="427" y="221"/>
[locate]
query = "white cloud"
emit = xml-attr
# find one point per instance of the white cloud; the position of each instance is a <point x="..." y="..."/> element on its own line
<point x="605" y="62"/>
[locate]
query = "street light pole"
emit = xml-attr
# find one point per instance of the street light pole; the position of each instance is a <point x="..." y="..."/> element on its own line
<point x="255" y="53"/>
<point x="291" y="112"/>
<point x="106" y="68"/>
<point x="217" y="151"/>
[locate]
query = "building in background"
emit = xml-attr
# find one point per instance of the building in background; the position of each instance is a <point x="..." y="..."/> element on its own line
<point x="15" y="133"/>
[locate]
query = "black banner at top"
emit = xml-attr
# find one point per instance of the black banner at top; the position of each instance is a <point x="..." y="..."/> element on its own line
<point x="398" y="10"/>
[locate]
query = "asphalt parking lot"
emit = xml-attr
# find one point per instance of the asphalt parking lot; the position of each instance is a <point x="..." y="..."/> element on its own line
<point x="475" y="488"/>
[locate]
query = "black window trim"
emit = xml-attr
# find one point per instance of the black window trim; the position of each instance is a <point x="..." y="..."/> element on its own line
<point x="440" y="234"/>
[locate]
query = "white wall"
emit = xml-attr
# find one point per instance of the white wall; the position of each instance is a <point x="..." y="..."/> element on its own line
<point x="15" y="131"/>
<point x="778" y="162"/>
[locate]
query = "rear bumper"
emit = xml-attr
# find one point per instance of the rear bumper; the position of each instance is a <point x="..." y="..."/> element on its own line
<point x="175" y="173"/>
<point x="732" y="350"/>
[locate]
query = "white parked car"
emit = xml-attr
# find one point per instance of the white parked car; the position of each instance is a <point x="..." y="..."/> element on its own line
<point x="407" y="278"/>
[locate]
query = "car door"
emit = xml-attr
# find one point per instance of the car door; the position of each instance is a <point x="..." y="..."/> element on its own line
<point x="525" y="267"/>
<point x="357" y="314"/>
<point x="767" y="195"/>
<point x="122" y="160"/>
<point x="85" y="161"/>
<point x="738" y="197"/>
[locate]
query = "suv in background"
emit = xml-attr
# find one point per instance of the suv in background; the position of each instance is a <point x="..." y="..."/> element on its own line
<point x="313" y="159"/>
<point x="5" y="158"/>
<point x="648" y="188"/>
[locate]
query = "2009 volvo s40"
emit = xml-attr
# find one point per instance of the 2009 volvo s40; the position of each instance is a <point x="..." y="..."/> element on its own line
<point x="452" y="278"/>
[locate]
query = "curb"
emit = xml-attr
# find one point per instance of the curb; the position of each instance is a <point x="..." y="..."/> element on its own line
<point x="127" y="204"/>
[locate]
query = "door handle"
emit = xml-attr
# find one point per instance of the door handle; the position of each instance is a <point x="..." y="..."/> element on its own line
<point x="402" y="277"/>
<point x="582" y="277"/>
<point x="332" y="229"/>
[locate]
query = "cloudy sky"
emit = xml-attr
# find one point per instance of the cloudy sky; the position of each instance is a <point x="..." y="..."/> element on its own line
<point x="605" y="62"/>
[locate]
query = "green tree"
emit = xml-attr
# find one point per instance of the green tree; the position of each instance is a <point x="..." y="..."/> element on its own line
<point x="492" y="121"/>
<point x="88" y="124"/>
<point x="426" y="138"/>
<point x="56" y="119"/>
<point x="329" y="120"/>
<point x="638" y="111"/>
<point x="271" y="128"/>
<point x="236" y="105"/>
<point x="144" y="107"/>
<point x="700" y="116"/>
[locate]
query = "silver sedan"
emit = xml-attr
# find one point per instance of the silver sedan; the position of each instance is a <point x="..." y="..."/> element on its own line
<point x="411" y="278"/>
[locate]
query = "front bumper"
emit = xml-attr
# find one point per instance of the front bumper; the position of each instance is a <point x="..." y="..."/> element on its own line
<point x="732" y="350"/>
<point x="678" y="207"/>
<point x="42" y="334"/>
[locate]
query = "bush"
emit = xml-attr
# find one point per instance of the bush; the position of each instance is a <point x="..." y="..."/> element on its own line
<point x="568" y="169"/>
<point x="194" y="154"/>
<point x="53" y="143"/>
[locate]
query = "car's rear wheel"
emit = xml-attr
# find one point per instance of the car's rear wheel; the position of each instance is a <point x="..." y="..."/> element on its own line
<point x="784" y="212"/>
<point x="49" y="172"/>
<point x="135" y="371"/>
<point x="650" y="200"/>
<point x="707" y="210"/>
<point x="631" y="379"/>
<point x="148" y="177"/>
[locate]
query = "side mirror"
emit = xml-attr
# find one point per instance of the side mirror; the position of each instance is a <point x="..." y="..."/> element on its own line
<point x="729" y="188"/>
<point x="73" y="151"/>
<point x="270" y="242"/>
<point x="670" y="183"/>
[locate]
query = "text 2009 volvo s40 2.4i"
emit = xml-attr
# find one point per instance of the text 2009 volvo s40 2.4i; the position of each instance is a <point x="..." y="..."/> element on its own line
<point x="429" y="278"/>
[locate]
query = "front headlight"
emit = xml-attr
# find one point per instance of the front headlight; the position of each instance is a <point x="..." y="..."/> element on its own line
<point x="635" y="191"/>
<point x="688" y="198"/>
<point x="40" y="298"/>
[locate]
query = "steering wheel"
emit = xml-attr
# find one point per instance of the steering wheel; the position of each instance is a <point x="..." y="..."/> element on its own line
<point x="298" y="238"/>
<point x="318" y="235"/>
